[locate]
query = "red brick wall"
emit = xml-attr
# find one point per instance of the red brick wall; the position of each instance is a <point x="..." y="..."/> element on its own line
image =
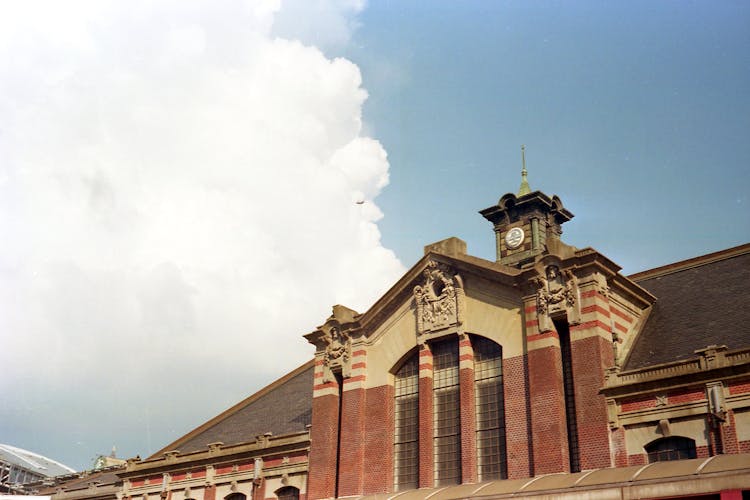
<point x="426" y="468"/>
<point x="549" y="434"/>
<point x="209" y="493"/>
<point x="351" y="456"/>
<point x="517" y="421"/>
<point x="729" y="434"/>
<point x="468" y="427"/>
<point x="259" y="492"/>
<point x="741" y="388"/>
<point x="323" y="435"/>
<point x="379" y="423"/>
<point x="619" y="448"/>
<point x="638" y="459"/>
<point x="590" y="357"/>
<point x="686" y="395"/>
<point x="639" y="403"/>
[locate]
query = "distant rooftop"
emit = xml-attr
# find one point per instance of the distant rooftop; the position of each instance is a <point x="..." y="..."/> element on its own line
<point x="32" y="462"/>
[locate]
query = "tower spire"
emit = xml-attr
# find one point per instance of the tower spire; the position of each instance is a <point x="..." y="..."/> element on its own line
<point x="525" y="188"/>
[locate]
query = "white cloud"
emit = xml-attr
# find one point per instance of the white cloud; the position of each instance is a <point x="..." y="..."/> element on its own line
<point x="177" y="202"/>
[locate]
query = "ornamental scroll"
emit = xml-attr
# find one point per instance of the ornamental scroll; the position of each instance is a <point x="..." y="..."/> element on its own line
<point x="439" y="299"/>
<point x="557" y="293"/>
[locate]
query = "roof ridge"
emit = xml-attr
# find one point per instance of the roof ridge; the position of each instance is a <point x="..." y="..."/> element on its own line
<point x="691" y="263"/>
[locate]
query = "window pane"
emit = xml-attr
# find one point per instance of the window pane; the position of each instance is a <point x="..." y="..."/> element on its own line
<point x="490" y="409"/>
<point x="671" y="448"/>
<point x="288" y="493"/>
<point x="446" y="414"/>
<point x="406" y="449"/>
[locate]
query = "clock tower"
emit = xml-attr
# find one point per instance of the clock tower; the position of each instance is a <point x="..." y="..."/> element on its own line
<point x="527" y="224"/>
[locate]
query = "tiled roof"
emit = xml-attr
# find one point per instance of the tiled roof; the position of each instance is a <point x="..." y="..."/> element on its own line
<point x="700" y="302"/>
<point x="104" y="477"/>
<point x="283" y="407"/>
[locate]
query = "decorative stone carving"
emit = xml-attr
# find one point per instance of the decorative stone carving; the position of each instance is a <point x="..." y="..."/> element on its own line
<point x="439" y="299"/>
<point x="557" y="292"/>
<point x="333" y="342"/>
<point x="616" y="340"/>
<point x="338" y="351"/>
<point x="664" y="427"/>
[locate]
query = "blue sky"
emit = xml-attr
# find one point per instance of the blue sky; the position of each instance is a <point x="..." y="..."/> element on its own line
<point x="176" y="176"/>
<point x="636" y="114"/>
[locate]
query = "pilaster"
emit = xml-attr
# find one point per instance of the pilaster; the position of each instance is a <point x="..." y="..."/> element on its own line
<point x="426" y="460"/>
<point x="592" y="348"/>
<point x="324" y="437"/>
<point x="468" y="409"/>
<point x="353" y="407"/>
<point x="547" y="401"/>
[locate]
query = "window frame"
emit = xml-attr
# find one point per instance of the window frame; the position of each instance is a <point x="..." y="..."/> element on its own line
<point x="670" y="448"/>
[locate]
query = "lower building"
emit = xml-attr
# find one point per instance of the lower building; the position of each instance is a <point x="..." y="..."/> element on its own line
<point x="19" y="467"/>
<point x="543" y="373"/>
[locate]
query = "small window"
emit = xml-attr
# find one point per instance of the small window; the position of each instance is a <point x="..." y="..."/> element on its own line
<point x="670" y="448"/>
<point x="288" y="493"/>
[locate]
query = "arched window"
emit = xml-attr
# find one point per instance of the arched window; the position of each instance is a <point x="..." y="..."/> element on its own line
<point x="488" y="414"/>
<point x="490" y="409"/>
<point x="670" y="448"/>
<point x="406" y="444"/>
<point x="287" y="493"/>
<point x="446" y="413"/>
<point x="236" y="496"/>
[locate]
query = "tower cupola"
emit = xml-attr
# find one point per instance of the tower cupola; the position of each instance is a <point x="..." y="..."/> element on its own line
<point x="526" y="224"/>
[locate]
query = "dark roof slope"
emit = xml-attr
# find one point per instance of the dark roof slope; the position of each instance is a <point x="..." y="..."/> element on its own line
<point x="700" y="302"/>
<point x="283" y="407"/>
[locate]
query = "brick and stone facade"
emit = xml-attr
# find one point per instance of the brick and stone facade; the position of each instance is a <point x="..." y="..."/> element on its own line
<point x="566" y="321"/>
<point x="591" y="370"/>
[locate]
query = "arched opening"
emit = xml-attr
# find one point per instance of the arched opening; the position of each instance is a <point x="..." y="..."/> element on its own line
<point x="488" y="413"/>
<point x="670" y="448"/>
<point x="236" y="496"/>
<point x="287" y="493"/>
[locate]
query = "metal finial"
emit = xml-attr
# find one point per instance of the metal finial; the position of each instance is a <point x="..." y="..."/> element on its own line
<point x="525" y="188"/>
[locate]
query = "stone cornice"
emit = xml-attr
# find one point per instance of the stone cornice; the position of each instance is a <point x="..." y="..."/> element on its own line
<point x="509" y="202"/>
<point x="714" y="363"/>
<point x="216" y="453"/>
<point x="588" y="257"/>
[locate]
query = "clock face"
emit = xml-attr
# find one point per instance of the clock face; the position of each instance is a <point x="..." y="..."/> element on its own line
<point x="514" y="237"/>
